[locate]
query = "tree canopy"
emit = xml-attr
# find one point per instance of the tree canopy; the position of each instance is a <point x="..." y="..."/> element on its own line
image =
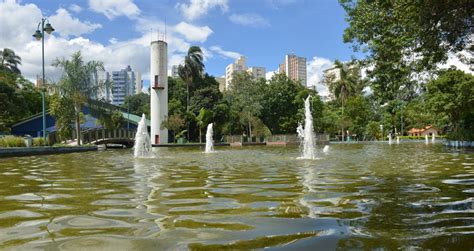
<point x="404" y="38"/>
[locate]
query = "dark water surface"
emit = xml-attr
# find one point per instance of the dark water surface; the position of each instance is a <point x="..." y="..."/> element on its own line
<point x="358" y="196"/>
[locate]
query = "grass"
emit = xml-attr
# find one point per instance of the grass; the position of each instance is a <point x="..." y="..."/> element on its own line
<point x="12" y="141"/>
<point x="40" y="142"/>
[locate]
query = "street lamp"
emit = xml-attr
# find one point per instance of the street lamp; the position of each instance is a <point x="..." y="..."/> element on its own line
<point x="39" y="35"/>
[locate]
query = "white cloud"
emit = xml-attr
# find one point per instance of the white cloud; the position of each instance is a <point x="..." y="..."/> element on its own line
<point x="193" y="33"/>
<point x="252" y="20"/>
<point x="17" y="23"/>
<point x="66" y="25"/>
<point x="74" y="8"/>
<point x="115" y="8"/>
<point x="224" y="53"/>
<point x="279" y="4"/>
<point x="315" y="68"/>
<point x="198" y="8"/>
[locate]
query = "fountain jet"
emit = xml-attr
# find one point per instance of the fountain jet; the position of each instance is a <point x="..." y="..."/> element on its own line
<point x="142" y="147"/>
<point x="433" y="138"/>
<point x="306" y="134"/>
<point x="209" y="143"/>
<point x="426" y="139"/>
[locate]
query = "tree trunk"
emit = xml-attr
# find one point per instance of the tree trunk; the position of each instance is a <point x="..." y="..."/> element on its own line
<point x="187" y="96"/>
<point x="200" y="135"/>
<point x="250" y="131"/>
<point x="77" y="108"/>
<point x="187" y="106"/>
<point x="78" y="130"/>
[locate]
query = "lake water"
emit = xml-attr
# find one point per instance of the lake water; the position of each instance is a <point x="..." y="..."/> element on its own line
<point x="357" y="196"/>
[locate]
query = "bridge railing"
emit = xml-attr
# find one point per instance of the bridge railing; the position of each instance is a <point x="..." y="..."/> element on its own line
<point x="94" y="135"/>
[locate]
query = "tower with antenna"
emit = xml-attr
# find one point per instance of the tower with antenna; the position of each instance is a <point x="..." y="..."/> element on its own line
<point x="158" y="90"/>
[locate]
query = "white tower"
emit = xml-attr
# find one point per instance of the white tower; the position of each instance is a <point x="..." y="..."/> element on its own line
<point x="159" y="91"/>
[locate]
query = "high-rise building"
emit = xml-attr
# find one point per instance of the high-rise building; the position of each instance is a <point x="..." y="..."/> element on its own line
<point x="123" y="84"/>
<point x="221" y="81"/>
<point x="238" y="66"/>
<point x="257" y="72"/>
<point x="104" y="93"/>
<point x="174" y="71"/>
<point x="295" y="68"/>
<point x="138" y="83"/>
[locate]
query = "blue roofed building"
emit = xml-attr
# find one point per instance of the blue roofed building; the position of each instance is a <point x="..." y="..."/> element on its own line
<point x="33" y="125"/>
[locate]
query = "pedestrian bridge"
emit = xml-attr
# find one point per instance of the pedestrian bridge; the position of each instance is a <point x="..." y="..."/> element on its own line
<point x="98" y="136"/>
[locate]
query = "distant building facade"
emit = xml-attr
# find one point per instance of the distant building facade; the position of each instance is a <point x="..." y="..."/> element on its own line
<point x="427" y="130"/>
<point x="239" y="65"/>
<point x="221" y="81"/>
<point x="174" y="71"/>
<point x="295" y="68"/>
<point x="257" y="72"/>
<point x="124" y="83"/>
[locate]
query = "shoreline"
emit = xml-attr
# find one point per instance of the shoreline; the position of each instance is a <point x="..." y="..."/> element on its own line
<point x="43" y="150"/>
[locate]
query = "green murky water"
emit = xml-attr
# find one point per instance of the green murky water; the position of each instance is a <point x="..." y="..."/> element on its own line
<point x="360" y="196"/>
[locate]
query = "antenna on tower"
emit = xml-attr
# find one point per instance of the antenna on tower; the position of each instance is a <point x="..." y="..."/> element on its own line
<point x="165" y="31"/>
<point x="151" y="35"/>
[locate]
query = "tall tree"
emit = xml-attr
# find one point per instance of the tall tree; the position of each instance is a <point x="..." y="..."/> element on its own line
<point x="282" y="100"/>
<point x="402" y="38"/>
<point x="192" y="69"/>
<point x="9" y="61"/>
<point x="452" y="95"/>
<point x="247" y="98"/>
<point x="347" y="83"/>
<point x="77" y="83"/>
<point x="138" y="104"/>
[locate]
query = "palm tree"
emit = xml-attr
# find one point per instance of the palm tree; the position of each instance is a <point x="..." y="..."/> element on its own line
<point x="78" y="83"/>
<point x="9" y="61"/>
<point x="192" y="69"/>
<point x="348" y="83"/>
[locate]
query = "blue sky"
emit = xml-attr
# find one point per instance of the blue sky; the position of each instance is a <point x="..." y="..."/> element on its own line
<point x="118" y="32"/>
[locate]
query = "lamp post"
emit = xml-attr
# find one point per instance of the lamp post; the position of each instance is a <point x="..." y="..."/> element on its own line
<point x="39" y="35"/>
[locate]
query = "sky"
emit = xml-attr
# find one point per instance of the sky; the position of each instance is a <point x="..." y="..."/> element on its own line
<point x="119" y="32"/>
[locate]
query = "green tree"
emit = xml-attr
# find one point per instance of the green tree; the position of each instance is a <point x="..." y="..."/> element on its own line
<point x="206" y="94"/>
<point x="202" y="119"/>
<point x="63" y="112"/>
<point x="358" y="111"/>
<point x="9" y="61"/>
<point x="18" y="99"/>
<point x="247" y="98"/>
<point x="452" y="95"/>
<point x="139" y="104"/>
<point x="402" y="38"/>
<point x="280" y="104"/>
<point x="175" y="123"/>
<point x="192" y="69"/>
<point x="348" y="83"/>
<point x="77" y="83"/>
<point x="417" y="114"/>
<point x="372" y="131"/>
<point x="176" y="96"/>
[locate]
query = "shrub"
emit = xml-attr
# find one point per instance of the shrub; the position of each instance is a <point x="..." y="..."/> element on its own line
<point x="39" y="142"/>
<point x="12" y="141"/>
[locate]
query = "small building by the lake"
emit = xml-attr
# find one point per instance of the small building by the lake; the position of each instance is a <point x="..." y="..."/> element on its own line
<point x="427" y="130"/>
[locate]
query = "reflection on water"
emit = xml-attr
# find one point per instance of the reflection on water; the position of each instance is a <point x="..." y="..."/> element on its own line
<point x="362" y="196"/>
